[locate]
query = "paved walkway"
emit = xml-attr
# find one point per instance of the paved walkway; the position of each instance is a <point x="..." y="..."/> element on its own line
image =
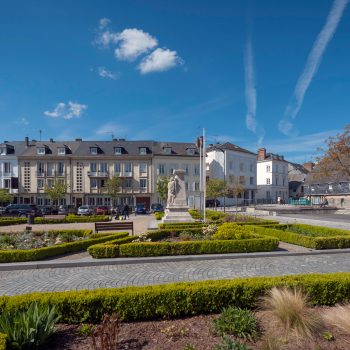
<point x="77" y="278"/>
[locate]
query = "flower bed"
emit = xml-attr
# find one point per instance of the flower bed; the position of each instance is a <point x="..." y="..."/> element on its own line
<point x="16" y="255"/>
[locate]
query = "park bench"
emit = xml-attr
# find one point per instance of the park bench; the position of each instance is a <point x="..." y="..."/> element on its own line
<point x="111" y="226"/>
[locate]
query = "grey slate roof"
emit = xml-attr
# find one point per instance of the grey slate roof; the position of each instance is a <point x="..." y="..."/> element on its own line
<point x="229" y="146"/>
<point x="106" y="148"/>
<point x="18" y="147"/>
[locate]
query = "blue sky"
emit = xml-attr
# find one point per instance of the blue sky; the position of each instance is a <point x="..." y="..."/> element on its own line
<point x="260" y="73"/>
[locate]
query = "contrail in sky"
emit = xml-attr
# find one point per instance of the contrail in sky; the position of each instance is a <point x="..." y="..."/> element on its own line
<point x="311" y="66"/>
<point x="250" y="92"/>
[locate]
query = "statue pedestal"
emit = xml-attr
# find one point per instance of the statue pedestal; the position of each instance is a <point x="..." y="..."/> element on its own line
<point x="177" y="214"/>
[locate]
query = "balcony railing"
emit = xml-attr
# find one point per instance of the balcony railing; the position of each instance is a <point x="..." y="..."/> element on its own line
<point x="98" y="173"/>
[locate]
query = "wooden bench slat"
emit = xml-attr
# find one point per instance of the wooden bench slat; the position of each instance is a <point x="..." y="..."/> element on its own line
<point x="108" y="226"/>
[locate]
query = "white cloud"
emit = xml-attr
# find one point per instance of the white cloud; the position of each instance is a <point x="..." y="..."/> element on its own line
<point x="104" y="73"/>
<point x="312" y="64"/>
<point x="133" y="43"/>
<point x="104" y="22"/>
<point x="67" y="111"/>
<point x="159" y="60"/>
<point x="250" y="93"/>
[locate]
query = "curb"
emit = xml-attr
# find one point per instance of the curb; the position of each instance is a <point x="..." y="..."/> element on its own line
<point x="161" y="259"/>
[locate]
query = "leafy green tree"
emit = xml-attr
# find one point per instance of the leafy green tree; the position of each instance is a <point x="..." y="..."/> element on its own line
<point x="57" y="191"/>
<point x="162" y="188"/>
<point x="5" y="196"/>
<point x="215" y="188"/>
<point x="113" y="186"/>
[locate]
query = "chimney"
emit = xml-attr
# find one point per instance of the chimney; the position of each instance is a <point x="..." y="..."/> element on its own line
<point x="309" y="166"/>
<point x="26" y="140"/>
<point x="261" y="153"/>
<point x="51" y="140"/>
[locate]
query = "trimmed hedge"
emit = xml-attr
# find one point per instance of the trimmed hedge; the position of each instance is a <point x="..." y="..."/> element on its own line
<point x="179" y="299"/>
<point x="72" y="219"/>
<point x="317" y="231"/>
<point x="7" y="256"/>
<point x="180" y="225"/>
<point x="258" y="244"/>
<point x="109" y="249"/>
<point x="12" y="221"/>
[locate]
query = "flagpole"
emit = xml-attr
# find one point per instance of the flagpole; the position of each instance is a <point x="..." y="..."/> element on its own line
<point x="204" y="176"/>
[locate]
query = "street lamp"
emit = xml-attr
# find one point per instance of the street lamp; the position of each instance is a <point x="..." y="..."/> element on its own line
<point x="224" y="153"/>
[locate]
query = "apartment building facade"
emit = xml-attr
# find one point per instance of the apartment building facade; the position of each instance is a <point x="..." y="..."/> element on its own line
<point x="85" y="167"/>
<point x="9" y="152"/>
<point x="228" y="161"/>
<point x="272" y="177"/>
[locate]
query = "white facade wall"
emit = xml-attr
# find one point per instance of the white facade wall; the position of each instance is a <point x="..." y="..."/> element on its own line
<point x="8" y="169"/>
<point x="238" y="164"/>
<point x="272" y="180"/>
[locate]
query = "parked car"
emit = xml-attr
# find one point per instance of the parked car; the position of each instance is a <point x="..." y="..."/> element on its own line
<point x="66" y="209"/>
<point x="22" y="210"/>
<point x="47" y="210"/>
<point x="156" y="207"/>
<point x="212" y="203"/>
<point x="140" y="209"/>
<point x="2" y="210"/>
<point x="102" y="210"/>
<point x="85" y="210"/>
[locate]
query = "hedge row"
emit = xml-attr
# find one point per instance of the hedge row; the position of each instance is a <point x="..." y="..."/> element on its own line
<point x="317" y="231"/>
<point x="7" y="256"/>
<point x="263" y="244"/>
<point x="180" y="225"/>
<point x="72" y="219"/>
<point x="333" y="242"/>
<point x="12" y="221"/>
<point x="109" y="249"/>
<point x="179" y="299"/>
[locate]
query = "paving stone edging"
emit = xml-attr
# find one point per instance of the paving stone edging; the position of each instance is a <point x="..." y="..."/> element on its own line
<point x="126" y="261"/>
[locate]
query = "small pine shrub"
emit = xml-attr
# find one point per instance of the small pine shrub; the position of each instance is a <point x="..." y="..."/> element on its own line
<point x="236" y="321"/>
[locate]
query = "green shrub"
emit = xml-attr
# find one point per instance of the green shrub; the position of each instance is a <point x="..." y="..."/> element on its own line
<point x="317" y="231"/>
<point x="236" y="321"/>
<point x="85" y="330"/>
<point x="180" y="225"/>
<point x="179" y="299"/>
<point x="159" y="215"/>
<point x="28" y="329"/>
<point x="232" y="231"/>
<point x="42" y="253"/>
<point x="3" y="341"/>
<point x="109" y="249"/>
<point x="258" y="244"/>
<point x="72" y="219"/>
<point x="12" y="221"/>
<point x="195" y="214"/>
<point x="230" y="344"/>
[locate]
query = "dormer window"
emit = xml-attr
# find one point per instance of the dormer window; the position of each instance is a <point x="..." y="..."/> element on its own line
<point x="61" y="150"/>
<point x="3" y="151"/>
<point x="40" y="150"/>
<point x="143" y="150"/>
<point x="191" y="151"/>
<point x="167" y="150"/>
<point x="93" y="150"/>
<point x="117" y="150"/>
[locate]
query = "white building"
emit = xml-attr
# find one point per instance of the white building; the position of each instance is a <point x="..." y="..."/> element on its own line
<point x="228" y="161"/>
<point x="9" y="152"/>
<point x="272" y="177"/>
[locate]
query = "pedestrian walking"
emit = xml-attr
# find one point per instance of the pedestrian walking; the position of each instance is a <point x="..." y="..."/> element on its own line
<point x="126" y="210"/>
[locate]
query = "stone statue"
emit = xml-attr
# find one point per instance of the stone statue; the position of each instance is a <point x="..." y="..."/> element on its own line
<point x="172" y="189"/>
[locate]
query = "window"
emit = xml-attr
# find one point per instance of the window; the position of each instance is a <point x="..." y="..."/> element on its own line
<point x="196" y="186"/>
<point x="128" y="183"/>
<point x="102" y="183"/>
<point x="186" y="168"/>
<point x="242" y="180"/>
<point x="117" y="169"/>
<point x="143" y="183"/>
<point x="251" y="180"/>
<point x="93" y="183"/>
<point x="268" y="168"/>
<point x="7" y="183"/>
<point x="50" y="183"/>
<point x="117" y="150"/>
<point x="61" y="151"/>
<point x="268" y="195"/>
<point x="161" y="169"/>
<point x="167" y="150"/>
<point x="231" y="165"/>
<point x="330" y="187"/>
<point x="276" y="180"/>
<point x="7" y="168"/>
<point x="40" y="169"/>
<point x="93" y="167"/>
<point x="50" y="169"/>
<point x="40" y="150"/>
<point x="103" y="167"/>
<point x="268" y="181"/>
<point x="3" y="151"/>
<point x="172" y="168"/>
<point x="40" y="201"/>
<point x="60" y="168"/>
<point x="143" y="168"/>
<point x="191" y="151"/>
<point x="196" y="169"/>
<point x="277" y="168"/>
<point x="241" y="166"/>
<point x="93" y="150"/>
<point x="284" y="181"/>
<point x="40" y="183"/>
<point x="128" y="167"/>
<point x="251" y="167"/>
<point x="143" y="150"/>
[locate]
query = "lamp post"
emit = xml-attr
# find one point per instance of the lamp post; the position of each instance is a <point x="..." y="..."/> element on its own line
<point x="224" y="153"/>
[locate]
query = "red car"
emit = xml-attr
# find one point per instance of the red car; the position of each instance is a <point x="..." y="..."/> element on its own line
<point x="102" y="210"/>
